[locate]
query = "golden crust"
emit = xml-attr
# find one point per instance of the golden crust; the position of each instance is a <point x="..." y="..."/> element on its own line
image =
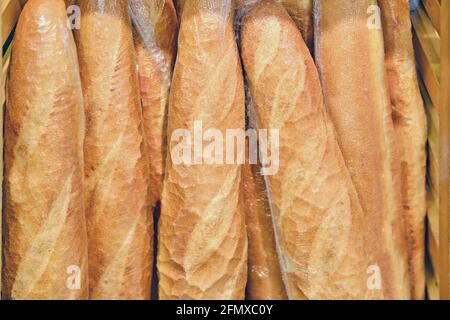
<point x="120" y="224"/>
<point x="318" y="218"/>
<point x="155" y="29"/>
<point x="411" y="130"/>
<point x="202" y="250"/>
<point x="45" y="231"/>
<point x="350" y="58"/>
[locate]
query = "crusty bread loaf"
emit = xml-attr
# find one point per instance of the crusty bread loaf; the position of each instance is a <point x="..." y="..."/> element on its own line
<point x="202" y="240"/>
<point x="45" y="245"/>
<point x="411" y="131"/>
<point x="318" y="218"/>
<point x="265" y="281"/>
<point x="155" y="28"/>
<point x="120" y="224"/>
<point x="301" y="12"/>
<point x="350" y="57"/>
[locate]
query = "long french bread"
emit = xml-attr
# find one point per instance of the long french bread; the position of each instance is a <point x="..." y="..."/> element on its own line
<point x="350" y="58"/>
<point x="120" y="225"/>
<point x="318" y="219"/>
<point x="265" y="281"/>
<point x="411" y="130"/>
<point x="301" y="12"/>
<point x="155" y="30"/>
<point x="45" y="240"/>
<point x="202" y="250"/>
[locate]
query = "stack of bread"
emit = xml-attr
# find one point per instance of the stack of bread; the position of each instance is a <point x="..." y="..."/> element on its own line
<point x="98" y="206"/>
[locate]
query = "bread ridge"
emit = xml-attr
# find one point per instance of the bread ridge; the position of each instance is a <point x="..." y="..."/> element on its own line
<point x="202" y="239"/>
<point x="318" y="217"/>
<point x="410" y="125"/>
<point x="155" y="30"/>
<point x="45" y="240"/>
<point x="350" y="59"/>
<point x="120" y="224"/>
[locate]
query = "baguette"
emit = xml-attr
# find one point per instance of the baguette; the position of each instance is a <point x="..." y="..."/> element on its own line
<point x="318" y="218"/>
<point x="350" y="59"/>
<point x="155" y="41"/>
<point x="120" y="225"/>
<point x="411" y="129"/>
<point x="265" y="281"/>
<point x="45" y="240"/>
<point x="202" y="250"/>
<point x="301" y="12"/>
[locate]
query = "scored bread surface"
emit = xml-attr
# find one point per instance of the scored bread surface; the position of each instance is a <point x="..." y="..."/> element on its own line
<point x="410" y="126"/>
<point x="45" y="245"/>
<point x="350" y="57"/>
<point x="318" y="218"/>
<point x="202" y="252"/>
<point x="155" y="30"/>
<point x="120" y="224"/>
